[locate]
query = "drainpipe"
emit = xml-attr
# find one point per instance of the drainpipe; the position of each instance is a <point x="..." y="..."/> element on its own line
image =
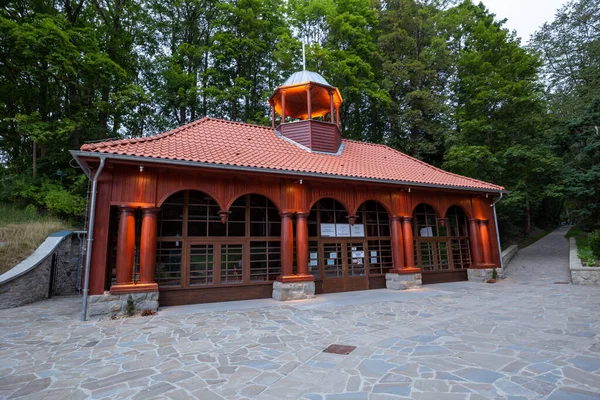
<point x="493" y="205"/>
<point x="90" y="238"/>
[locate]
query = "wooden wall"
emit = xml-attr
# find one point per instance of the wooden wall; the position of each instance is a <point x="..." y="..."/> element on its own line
<point x="124" y="184"/>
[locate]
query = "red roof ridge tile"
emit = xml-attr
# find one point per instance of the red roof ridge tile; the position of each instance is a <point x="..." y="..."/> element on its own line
<point x="226" y="121"/>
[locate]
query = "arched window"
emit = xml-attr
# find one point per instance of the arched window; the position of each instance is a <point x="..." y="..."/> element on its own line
<point x="459" y="231"/>
<point x="195" y="248"/>
<point x="426" y="222"/>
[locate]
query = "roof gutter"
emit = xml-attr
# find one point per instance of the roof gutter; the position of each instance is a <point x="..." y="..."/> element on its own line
<point x="493" y="205"/>
<point x="90" y="236"/>
<point x="123" y="157"/>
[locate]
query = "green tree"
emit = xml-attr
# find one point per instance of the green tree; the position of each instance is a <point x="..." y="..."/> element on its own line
<point x="416" y="70"/>
<point x="570" y="49"/>
<point x="499" y="114"/>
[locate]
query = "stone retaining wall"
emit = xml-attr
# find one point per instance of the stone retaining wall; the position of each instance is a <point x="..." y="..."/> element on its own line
<point x="107" y="303"/>
<point x="509" y="253"/>
<point x="581" y="275"/>
<point x="29" y="281"/>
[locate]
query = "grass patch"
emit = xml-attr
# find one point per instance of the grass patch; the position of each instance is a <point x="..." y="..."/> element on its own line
<point x="584" y="250"/>
<point x="21" y="232"/>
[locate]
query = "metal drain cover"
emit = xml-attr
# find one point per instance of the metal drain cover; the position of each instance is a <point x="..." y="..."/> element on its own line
<point x="339" y="349"/>
<point x="561" y="283"/>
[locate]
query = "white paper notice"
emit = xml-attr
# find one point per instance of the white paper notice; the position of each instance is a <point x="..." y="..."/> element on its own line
<point x="333" y="255"/>
<point x="328" y="230"/>
<point x="358" y="230"/>
<point x="330" y="262"/>
<point x="342" y="230"/>
<point x="313" y="263"/>
<point x="313" y="256"/>
<point x="426" y="232"/>
<point x="358" y="254"/>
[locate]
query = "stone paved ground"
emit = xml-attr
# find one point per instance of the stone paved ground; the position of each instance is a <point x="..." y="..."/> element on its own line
<point x="523" y="338"/>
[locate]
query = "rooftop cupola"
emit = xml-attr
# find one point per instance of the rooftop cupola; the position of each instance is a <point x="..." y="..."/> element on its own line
<point x="308" y="107"/>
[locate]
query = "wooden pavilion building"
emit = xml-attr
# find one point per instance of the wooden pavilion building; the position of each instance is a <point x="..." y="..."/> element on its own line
<point x="217" y="210"/>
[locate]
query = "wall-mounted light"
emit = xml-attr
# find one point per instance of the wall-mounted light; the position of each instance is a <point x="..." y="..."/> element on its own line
<point x="301" y="181"/>
<point x="408" y="190"/>
<point x="141" y="168"/>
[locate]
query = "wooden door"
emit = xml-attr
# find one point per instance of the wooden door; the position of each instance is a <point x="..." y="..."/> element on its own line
<point x="344" y="266"/>
<point x="356" y="278"/>
<point x="334" y="271"/>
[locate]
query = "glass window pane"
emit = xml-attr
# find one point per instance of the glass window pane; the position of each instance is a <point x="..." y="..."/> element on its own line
<point x="217" y="228"/>
<point x="379" y="256"/>
<point x="333" y="267"/>
<point x="314" y="265"/>
<point x="236" y="229"/>
<point x="265" y="261"/>
<point x="231" y="263"/>
<point x="197" y="228"/>
<point x="356" y="259"/>
<point x="201" y="264"/>
<point x="168" y="263"/>
<point x="171" y="228"/>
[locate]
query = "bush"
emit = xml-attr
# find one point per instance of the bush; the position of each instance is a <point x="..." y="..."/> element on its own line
<point x="60" y="202"/>
<point x="130" y="309"/>
<point x="45" y="194"/>
<point x="594" y="242"/>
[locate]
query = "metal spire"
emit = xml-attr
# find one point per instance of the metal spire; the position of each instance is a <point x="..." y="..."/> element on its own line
<point x="303" y="56"/>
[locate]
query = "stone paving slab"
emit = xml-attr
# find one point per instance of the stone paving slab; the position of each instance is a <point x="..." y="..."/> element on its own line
<point x="517" y="339"/>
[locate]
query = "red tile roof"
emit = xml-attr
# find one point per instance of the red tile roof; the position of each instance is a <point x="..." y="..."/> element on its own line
<point x="215" y="141"/>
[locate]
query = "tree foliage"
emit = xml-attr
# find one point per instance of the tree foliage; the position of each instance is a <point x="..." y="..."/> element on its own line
<point x="441" y="80"/>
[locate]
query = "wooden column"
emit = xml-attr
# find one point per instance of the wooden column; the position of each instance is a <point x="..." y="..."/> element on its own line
<point x="331" y="110"/>
<point x="148" y="249"/>
<point x="337" y="116"/>
<point x="397" y="244"/>
<point x="283" y="106"/>
<point x="308" y="102"/>
<point x="125" y="249"/>
<point x="409" y="246"/>
<point x="485" y="243"/>
<point x="98" y="275"/>
<point x="272" y="114"/>
<point x="302" y="246"/>
<point x="287" y="247"/>
<point x="474" y="238"/>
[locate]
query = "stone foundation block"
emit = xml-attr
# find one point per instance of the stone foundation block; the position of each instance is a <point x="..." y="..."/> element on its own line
<point x="483" y="274"/>
<point x="293" y="291"/>
<point x="403" y="281"/>
<point x="107" y="303"/>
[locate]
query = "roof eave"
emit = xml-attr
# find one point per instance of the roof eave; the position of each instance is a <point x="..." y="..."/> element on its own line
<point x="123" y="157"/>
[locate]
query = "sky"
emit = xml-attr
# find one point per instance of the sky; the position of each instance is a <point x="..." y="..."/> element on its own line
<point x="524" y="16"/>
